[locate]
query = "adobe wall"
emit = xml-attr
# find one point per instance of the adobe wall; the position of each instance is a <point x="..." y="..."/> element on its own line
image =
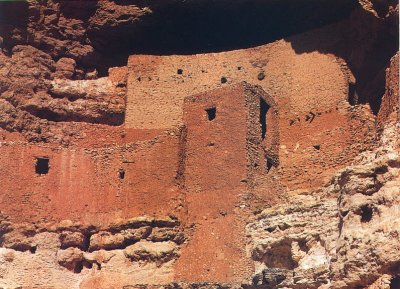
<point x="318" y="127"/>
<point x="216" y="143"/>
<point x="224" y="151"/>
<point x="157" y="85"/>
<point x="215" y="175"/>
<point x="93" y="185"/>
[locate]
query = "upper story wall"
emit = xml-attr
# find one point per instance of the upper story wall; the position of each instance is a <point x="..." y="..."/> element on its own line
<point x="316" y="123"/>
<point x="299" y="83"/>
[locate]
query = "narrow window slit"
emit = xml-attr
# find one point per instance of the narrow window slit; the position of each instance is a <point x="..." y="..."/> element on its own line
<point x="270" y="164"/>
<point x="211" y="113"/>
<point x="42" y="165"/>
<point x="121" y="174"/>
<point x="264" y="107"/>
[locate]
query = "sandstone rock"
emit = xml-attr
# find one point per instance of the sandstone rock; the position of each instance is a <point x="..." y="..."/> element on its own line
<point x="106" y="240"/>
<point x="73" y="239"/>
<point x="133" y="235"/>
<point x="98" y="89"/>
<point x="20" y="237"/>
<point x="18" y="242"/>
<point x="143" y="221"/>
<point x="151" y="251"/>
<point x="109" y="241"/>
<point x="91" y="75"/>
<point x="98" y="257"/>
<point x="346" y="239"/>
<point x="67" y="225"/>
<point x="70" y="258"/>
<point x="166" y="234"/>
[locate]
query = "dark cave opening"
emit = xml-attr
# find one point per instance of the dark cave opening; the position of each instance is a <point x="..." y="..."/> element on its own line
<point x="395" y="282"/>
<point x="366" y="213"/>
<point x="78" y="9"/>
<point x="317" y="147"/>
<point x="195" y="27"/>
<point x="14" y="17"/>
<point x="382" y="7"/>
<point x="80" y="265"/>
<point x="46" y="113"/>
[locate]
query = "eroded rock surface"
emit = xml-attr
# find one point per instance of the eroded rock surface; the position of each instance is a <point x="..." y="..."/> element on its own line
<point x="83" y="249"/>
<point x="342" y="236"/>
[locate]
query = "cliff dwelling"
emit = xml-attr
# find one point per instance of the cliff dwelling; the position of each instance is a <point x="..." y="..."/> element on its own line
<point x="199" y="144"/>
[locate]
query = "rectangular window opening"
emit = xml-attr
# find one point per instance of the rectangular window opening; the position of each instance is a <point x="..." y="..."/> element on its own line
<point x="121" y="174"/>
<point x="211" y="113"/>
<point x="42" y="165"/>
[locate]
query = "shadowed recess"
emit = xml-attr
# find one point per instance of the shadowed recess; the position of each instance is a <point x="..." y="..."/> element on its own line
<point x="192" y="27"/>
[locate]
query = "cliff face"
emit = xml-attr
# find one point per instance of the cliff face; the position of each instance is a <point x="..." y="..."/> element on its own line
<point x="187" y="144"/>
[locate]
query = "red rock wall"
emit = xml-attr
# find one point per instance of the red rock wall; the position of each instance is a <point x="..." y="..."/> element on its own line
<point x="84" y="184"/>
